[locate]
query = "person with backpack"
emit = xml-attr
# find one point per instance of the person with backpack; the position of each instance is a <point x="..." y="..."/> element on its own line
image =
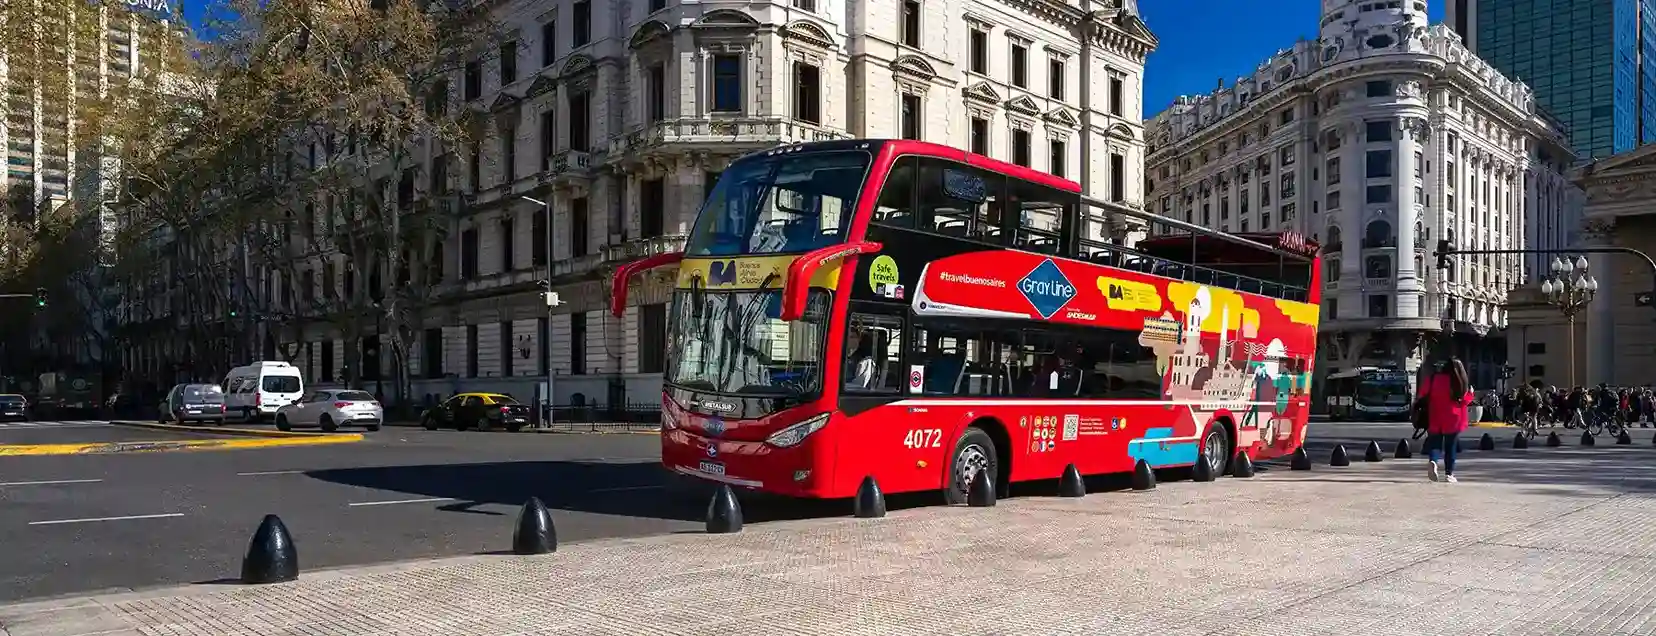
<point x="1444" y="397"/>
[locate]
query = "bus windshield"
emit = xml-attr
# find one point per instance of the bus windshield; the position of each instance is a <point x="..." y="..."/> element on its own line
<point x="1382" y="392"/>
<point x="732" y="343"/>
<point x="787" y="203"/>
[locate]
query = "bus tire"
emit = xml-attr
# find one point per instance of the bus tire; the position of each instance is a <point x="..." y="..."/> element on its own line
<point x="974" y="451"/>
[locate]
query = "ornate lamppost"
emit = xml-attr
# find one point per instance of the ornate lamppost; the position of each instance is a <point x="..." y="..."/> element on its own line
<point x="1570" y="289"/>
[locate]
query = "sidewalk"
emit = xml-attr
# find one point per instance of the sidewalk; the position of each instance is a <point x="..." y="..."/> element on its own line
<point x="1543" y="541"/>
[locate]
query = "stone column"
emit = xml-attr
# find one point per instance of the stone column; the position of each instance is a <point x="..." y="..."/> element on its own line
<point x="1408" y="281"/>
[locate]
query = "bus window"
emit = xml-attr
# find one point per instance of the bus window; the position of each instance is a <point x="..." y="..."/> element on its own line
<point x="961" y="200"/>
<point x="896" y="204"/>
<point x="1040" y="216"/>
<point x="873" y="354"/>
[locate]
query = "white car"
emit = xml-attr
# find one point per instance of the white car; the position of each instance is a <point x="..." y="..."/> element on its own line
<point x="331" y="409"/>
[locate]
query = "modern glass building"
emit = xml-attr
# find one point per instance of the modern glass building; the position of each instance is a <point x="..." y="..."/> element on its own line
<point x="1592" y="63"/>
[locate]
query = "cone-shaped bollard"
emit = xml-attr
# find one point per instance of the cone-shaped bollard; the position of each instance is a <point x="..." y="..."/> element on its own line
<point x="1203" y="471"/>
<point x="1339" y="458"/>
<point x="1553" y="441"/>
<point x="1301" y="461"/>
<point x="980" y="493"/>
<point x="1521" y="441"/>
<point x="1372" y="453"/>
<point x="271" y="556"/>
<point x="1242" y="466"/>
<point x="1624" y="438"/>
<point x="1143" y="477"/>
<point x="1587" y="439"/>
<point x="1486" y="443"/>
<point x="1071" y="484"/>
<point x="535" y="534"/>
<point x="724" y="513"/>
<point x="1404" y="450"/>
<point x="870" y="503"/>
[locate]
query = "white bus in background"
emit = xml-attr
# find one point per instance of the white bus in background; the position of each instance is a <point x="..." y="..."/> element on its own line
<point x="255" y="391"/>
<point x="1367" y="393"/>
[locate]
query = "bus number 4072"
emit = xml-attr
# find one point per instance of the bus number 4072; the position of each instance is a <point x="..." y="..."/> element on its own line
<point x="924" y="438"/>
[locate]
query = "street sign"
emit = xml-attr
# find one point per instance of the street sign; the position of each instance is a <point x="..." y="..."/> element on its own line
<point x="1641" y="299"/>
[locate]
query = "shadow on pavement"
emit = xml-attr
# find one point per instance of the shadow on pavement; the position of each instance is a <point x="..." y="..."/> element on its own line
<point x="1603" y="468"/>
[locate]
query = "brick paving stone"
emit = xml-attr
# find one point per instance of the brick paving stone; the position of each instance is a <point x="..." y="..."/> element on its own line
<point x="1530" y="542"/>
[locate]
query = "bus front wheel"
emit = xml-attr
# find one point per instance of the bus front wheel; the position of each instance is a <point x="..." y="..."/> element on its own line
<point x="974" y="453"/>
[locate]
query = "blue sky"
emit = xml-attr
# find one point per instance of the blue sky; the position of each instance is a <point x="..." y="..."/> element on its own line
<point x="1204" y="40"/>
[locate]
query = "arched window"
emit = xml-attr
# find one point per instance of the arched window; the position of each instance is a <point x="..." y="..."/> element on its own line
<point x="1378" y="234"/>
<point x="1333" y="245"/>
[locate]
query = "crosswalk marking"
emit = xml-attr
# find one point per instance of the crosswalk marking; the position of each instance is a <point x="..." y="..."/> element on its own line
<point x="54" y="424"/>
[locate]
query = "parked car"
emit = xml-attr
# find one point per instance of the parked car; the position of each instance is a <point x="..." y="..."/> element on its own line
<point x="257" y="390"/>
<point x="14" y="407"/>
<point x="331" y="409"/>
<point x="187" y="403"/>
<point x="481" y="411"/>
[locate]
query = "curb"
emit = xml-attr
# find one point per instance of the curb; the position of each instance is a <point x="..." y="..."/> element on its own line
<point x="544" y="431"/>
<point x="107" y="448"/>
<point x="1489" y="425"/>
<point x="219" y="430"/>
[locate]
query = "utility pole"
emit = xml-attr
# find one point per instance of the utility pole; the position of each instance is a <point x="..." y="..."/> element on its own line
<point x="552" y="301"/>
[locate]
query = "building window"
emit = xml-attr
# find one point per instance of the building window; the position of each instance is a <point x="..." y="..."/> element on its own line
<point x="1378" y="164"/>
<point x="1055" y="79"/>
<point x="1377" y="131"/>
<point x="471" y="351"/>
<point x="431" y="353"/>
<point x="652" y="204"/>
<point x="1379" y="306"/>
<point x="1117" y="98"/>
<point x="657" y="5"/>
<point x="652" y="338"/>
<point x="548" y="137"/>
<point x="577" y="343"/>
<point x="1379" y="88"/>
<point x="580" y="121"/>
<point x="1377" y="266"/>
<point x="1285" y="156"/>
<point x="578" y="233"/>
<point x="910" y="117"/>
<point x="468" y="253"/>
<point x="911" y="23"/>
<point x="582" y="28"/>
<point x="807" y="93"/>
<point x="473" y="81"/>
<point x="1332" y="200"/>
<point x="508" y="62"/>
<point x="657" y="79"/>
<point x="1420" y="165"/>
<point x="1020" y="147"/>
<point x="727" y="83"/>
<point x="980" y="52"/>
<point x="1378" y="194"/>
<point x="508" y="244"/>
<point x="1538" y="370"/>
<point x="1285" y="117"/>
<point x="1020" y="66"/>
<point x="1537" y="348"/>
<point x="1056" y="157"/>
<point x="1333" y="170"/>
<point x="980" y="135"/>
<point x="1333" y="305"/>
<point x="508" y="349"/>
<point x="537" y="227"/>
<point x="508" y="153"/>
<point x="1118" y="177"/>
<point x="549" y="43"/>
<point x="474" y="169"/>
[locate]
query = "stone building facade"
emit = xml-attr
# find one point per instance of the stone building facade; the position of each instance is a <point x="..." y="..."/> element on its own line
<point x="621" y="115"/>
<point x="1378" y="139"/>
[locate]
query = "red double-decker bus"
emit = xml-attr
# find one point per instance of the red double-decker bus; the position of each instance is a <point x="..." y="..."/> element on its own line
<point x="918" y="313"/>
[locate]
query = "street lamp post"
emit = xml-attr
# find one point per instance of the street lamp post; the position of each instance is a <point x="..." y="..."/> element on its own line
<point x="551" y="299"/>
<point x="1570" y="289"/>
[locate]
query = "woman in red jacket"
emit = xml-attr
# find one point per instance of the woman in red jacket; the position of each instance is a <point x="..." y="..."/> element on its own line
<point x="1447" y="394"/>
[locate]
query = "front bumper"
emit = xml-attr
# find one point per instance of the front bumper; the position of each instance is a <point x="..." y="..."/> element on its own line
<point x="791" y="472"/>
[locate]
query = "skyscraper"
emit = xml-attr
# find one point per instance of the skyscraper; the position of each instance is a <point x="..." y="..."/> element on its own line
<point x="1592" y="63"/>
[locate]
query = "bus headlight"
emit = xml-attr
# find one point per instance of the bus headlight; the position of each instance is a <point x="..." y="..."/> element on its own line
<point x="793" y="435"/>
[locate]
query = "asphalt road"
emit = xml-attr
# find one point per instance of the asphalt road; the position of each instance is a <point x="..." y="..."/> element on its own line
<point x="83" y="431"/>
<point x="76" y="524"/>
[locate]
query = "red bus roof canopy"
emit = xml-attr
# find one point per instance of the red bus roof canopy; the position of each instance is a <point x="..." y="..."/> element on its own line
<point x="1216" y="249"/>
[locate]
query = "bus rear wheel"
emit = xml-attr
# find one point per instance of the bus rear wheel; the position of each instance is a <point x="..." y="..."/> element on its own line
<point x="974" y="453"/>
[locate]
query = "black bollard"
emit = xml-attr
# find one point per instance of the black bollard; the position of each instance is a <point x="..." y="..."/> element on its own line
<point x="1553" y="441"/>
<point x="1242" y="466"/>
<point x="1143" y="477"/>
<point x="1301" y="461"/>
<point x="271" y="556"/>
<point x="1521" y="441"/>
<point x="1203" y="471"/>
<point x="1071" y="484"/>
<point x="870" y="503"/>
<point x="1372" y="453"/>
<point x="1624" y="438"/>
<point x="980" y="493"/>
<point x="1587" y="439"/>
<point x="535" y="533"/>
<point x="1404" y="450"/>
<point x="1486" y="443"/>
<point x="1339" y="458"/>
<point x="724" y="513"/>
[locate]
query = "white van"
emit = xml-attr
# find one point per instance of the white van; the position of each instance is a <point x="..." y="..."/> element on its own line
<point x="255" y="391"/>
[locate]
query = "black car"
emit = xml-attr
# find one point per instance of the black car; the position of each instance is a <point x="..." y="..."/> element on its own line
<point x="481" y="411"/>
<point x="14" y="407"/>
<point x="188" y="403"/>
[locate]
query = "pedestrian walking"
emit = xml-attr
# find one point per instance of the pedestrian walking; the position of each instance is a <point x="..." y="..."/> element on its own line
<point x="1444" y="396"/>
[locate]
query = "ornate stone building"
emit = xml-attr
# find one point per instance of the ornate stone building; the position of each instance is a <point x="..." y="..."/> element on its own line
<point x="621" y="116"/>
<point x="1378" y="139"/>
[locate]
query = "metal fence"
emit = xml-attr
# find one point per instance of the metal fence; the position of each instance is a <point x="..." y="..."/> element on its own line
<point x="597" y="418"/>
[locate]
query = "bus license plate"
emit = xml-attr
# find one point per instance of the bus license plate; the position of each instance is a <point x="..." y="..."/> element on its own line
<point x="713" y="468"/>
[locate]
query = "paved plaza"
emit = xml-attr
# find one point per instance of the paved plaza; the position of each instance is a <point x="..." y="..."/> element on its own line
<point x="1553" y="541"/>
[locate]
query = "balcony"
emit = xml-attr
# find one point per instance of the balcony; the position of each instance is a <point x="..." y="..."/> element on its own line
<point x="566" y="168"/>
<point x="739" y="134"/>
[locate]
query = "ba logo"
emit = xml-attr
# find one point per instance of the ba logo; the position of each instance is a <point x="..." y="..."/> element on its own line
<point x="721" y="272"/>
<point x="1046" y="288"/>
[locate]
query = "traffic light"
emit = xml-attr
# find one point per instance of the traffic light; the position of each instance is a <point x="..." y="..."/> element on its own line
<point x="40" y="296"/>
<point x="1444" y="247"/>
